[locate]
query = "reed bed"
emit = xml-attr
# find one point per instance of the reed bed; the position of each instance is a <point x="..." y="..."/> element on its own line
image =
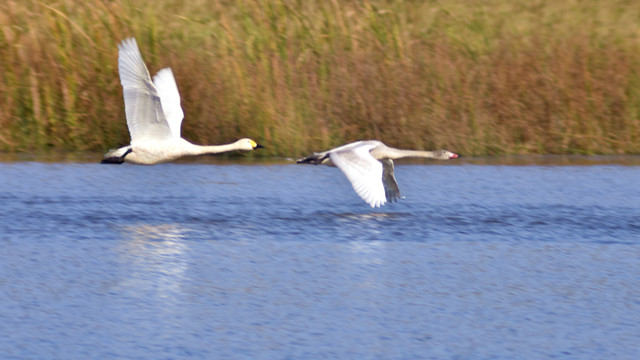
<point x="476" y="77"/>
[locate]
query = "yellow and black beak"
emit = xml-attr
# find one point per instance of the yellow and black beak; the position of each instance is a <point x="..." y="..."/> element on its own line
<point x="255" y="145"/>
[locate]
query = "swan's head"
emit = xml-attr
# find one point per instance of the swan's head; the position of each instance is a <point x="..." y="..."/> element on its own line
<point x="444" y="155"/>
<point x="248" y="144"/>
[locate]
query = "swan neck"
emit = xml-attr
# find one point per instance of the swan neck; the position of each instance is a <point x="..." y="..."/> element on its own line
<point x="210" y="149"/>
<point x="393" y="153"/>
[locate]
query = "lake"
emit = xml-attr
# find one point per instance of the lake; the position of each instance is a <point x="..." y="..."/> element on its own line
<point x="211" y="259"/>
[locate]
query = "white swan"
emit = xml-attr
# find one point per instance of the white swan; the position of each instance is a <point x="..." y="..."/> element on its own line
<point x="369" y="167"/>
<point x="154" y="115"/>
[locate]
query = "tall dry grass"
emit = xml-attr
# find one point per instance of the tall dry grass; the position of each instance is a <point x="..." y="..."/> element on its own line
<point x="477" y="77"/>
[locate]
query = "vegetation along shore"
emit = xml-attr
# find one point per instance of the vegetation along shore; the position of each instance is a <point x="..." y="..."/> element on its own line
<point x="475" y="77"/>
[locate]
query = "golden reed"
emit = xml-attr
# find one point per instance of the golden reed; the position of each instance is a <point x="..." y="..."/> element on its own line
<point x="476" y="77"/>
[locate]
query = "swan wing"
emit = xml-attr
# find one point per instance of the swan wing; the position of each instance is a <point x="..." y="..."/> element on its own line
<point x="391" y="189"/>
<point x="170" y="98"/>
<point x="363" y="171"/>
<point x="142" y="103"/>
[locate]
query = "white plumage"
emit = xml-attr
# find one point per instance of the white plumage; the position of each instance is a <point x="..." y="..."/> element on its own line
<point x="154" y="115"/>
<point x="368" y="165"/>
<point x="362" y="170"/>
<point x="170" y="99"/>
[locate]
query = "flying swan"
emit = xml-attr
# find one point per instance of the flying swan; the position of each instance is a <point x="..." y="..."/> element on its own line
<point x="154" y="115"/>
<point x="369" y="167"/>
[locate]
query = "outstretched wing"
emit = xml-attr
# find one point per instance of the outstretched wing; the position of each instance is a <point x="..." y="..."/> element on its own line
<point x="170" y="98"/>
<point x="391" y="189"/>
<point x="145" y="115"/>
<point x="363" y="171"/>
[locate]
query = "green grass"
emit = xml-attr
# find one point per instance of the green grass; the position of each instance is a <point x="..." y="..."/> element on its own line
<point x="476" y="77"/>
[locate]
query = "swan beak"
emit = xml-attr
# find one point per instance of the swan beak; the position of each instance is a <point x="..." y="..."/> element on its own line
<point x="258" y="146"/>
<point x="454" y="156"/>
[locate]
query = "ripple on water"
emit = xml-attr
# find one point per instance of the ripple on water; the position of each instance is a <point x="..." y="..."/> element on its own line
<point x="209" y="261"/>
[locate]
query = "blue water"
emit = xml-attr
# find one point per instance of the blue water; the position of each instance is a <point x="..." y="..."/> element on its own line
<point x="206" y="261"/>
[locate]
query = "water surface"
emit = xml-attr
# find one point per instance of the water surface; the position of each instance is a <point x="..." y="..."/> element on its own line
<point x="200" y="259"/>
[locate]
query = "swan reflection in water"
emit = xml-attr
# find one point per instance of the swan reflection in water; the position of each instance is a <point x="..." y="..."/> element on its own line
<point x="156" y="258"/>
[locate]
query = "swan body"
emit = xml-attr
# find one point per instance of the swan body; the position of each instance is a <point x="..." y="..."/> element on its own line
<point x="368" y="165"/>
<point x="154" y="115"/>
